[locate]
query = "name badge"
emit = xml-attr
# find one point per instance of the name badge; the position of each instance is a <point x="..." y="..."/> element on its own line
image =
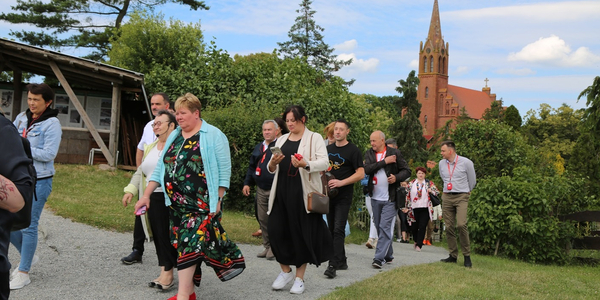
<point x="257" y="172"/>
<point x="449" y="186"/>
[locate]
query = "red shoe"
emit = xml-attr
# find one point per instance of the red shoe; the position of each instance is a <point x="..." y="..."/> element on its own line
<point x="427" y="242"/>
<point x="257" y="233"/>
<point x="192" y="297"/>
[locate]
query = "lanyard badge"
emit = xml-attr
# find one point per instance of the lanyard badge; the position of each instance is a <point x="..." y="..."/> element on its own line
<point x="449" y="185"/>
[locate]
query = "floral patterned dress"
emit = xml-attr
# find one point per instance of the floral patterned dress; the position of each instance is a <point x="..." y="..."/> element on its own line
<point x="195" y="234"/>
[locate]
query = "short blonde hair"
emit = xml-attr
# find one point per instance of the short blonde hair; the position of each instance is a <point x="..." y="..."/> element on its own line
<point x="190" y="102"/>
<point x="328" y="131"/>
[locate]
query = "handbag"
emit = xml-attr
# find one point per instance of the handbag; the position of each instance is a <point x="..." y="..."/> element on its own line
<point x="435" y="200"/>
<point x="400" y="197"/>
<point x="318" y="202"/>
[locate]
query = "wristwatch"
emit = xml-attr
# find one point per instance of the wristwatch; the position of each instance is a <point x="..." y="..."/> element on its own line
<point x="307" y="168"/>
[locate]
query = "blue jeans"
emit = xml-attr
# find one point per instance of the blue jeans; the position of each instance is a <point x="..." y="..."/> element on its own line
<point x="26" y="240"/>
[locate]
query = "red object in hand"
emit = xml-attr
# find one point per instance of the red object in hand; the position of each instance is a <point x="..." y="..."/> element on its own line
<point x="298" y="156"/>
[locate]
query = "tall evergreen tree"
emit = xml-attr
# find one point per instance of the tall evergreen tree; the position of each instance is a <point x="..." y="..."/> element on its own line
<point x="408" y="128"/>
<point x="512" y="117"/>
<point x="495" y="112"/>
<point x="306" y="41"/>
<point x="90" y="21"/>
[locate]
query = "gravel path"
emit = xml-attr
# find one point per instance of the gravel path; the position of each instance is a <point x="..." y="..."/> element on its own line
<point x="78" y="261"/>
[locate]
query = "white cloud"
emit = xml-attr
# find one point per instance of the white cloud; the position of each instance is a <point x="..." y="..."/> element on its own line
<point x="461" y="70"/>
<point x="414" y="64"/>
<point x="515" y="71"/>
<point x="359" y="65"/>
<point x="554" y="50"/>
<point x="347" y="46"/>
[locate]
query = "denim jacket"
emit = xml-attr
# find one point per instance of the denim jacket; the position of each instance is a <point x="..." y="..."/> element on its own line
<point x="214" y="149"/>
<point x="44" y="138"/>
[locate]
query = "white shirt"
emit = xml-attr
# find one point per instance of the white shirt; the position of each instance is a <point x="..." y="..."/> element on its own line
<point x="148" y="135"/>
<point x="380" y="186"/>
<point x="149" y="164"/>
<point x="423" y="201"/>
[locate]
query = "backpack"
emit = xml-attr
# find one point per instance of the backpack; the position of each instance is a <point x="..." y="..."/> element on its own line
<point x="22" y="218"/>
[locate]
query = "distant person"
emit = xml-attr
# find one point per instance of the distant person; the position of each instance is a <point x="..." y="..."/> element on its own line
<point x="258" y="175"/>
<point x="16" y="186"/>
<point x="158" y="216"/>
<point x="458" y="174"/>
<point x="386" y="169"/>
<point x="158" y="102"/>
<point x="297" y="236"/>
<point x="40" y="125"/>
<point x="194" y="171"/>
<point x="328" y="131"/>
<point x="346" y="165"/>
<point x="418" y="206"/>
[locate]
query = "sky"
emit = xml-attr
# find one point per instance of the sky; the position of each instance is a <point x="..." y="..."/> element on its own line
<point x="531" y="51"/>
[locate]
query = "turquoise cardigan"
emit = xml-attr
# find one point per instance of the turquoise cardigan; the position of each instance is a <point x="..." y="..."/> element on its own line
<point x="214" y="149"/>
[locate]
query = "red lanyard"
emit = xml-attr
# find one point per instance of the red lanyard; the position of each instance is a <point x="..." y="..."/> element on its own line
<point x="264" y="153"/>
<point x="382" y="155"/>
<point x="452" y="173"/>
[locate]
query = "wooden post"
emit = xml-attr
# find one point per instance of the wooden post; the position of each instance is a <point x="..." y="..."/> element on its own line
<point x="17" y="93"/>
<point x="82" y="113"/>
<point x="114" y="121"/>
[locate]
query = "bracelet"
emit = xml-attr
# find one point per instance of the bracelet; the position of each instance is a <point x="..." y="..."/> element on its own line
<point x="220" y="199"/>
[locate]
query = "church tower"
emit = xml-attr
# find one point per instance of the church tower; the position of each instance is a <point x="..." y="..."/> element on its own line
<point x="433" y="77"/>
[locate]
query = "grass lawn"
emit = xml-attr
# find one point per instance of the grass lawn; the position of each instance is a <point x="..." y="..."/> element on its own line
<point x="88" y="195"/>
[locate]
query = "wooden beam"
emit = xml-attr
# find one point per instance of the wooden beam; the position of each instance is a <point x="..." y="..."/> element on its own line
<point x="82" y="112"/>
<point x="113" y="144"/>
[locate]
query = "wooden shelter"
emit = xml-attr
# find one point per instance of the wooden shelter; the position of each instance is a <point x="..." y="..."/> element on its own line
<point x="70" y="70"/>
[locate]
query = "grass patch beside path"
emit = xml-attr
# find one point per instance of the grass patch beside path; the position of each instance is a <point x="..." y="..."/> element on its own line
<point x="490" y="278"/>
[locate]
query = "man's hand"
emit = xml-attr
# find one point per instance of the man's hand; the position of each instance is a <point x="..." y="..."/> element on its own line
<point x="390" y="159"/>
<point x="127" y="199"/>
<point x="335" y="183"/>
<point x="246" y="190"/>
<point x="391" y="179"/>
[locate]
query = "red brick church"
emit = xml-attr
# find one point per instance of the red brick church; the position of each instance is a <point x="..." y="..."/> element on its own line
<point x="440" y="101"/>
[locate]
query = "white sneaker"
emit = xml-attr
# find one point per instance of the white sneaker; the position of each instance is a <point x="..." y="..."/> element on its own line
<point x="19" y="281"/>
<point x="34" y="261"/>
<point x="298" y="287"/>
<point x="282" y="280"/>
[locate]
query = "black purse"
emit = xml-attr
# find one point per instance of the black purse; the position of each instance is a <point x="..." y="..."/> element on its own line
<point x="435" y="200"/>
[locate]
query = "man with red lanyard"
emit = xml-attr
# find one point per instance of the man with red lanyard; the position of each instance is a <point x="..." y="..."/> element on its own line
<point x="386" y="169"/>
<point x="257" y="174"/>
<point x="458" y="174"/>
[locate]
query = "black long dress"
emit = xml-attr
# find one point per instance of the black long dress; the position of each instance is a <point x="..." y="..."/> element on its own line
<point x="296" y="237"/>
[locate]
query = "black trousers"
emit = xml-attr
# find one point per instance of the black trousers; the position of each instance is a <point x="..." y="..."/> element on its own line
<point x="4" y="285"/>
<point x="339" y="207"/>
<point x="158" y="215"/>
<point x="138" y="236"/>
<point x="420" y="226"/>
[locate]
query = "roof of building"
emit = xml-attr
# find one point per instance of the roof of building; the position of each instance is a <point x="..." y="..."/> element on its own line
<point x="476" y="102"/>
<point x="84" y="72"/>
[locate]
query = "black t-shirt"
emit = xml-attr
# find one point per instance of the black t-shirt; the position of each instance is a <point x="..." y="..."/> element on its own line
<point x="343" y="162"/>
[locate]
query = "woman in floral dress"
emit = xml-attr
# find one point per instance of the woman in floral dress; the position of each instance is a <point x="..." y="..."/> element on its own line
<point x="195" y="171"/>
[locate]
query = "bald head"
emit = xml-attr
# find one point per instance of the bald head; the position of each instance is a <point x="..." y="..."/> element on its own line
<point x="377" y="140"/>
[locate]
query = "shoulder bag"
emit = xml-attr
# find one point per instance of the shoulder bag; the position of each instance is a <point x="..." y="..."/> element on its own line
<point x="435" y="200"/>
<point x="318" y="202"/>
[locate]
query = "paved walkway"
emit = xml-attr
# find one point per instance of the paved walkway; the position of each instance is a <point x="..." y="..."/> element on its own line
<point x="78" y="261"/>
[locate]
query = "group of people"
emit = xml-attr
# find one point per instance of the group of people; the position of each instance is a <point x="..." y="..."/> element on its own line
<point x="184" y="169"/>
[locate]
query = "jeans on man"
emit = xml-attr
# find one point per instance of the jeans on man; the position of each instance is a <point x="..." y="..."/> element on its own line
<point x="26" y="240"/>
<point x="339" y="207"/>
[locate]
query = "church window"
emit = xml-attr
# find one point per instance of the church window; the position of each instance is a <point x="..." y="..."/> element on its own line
<point x="444" y="66"/>
<point x="440" y="66"/>
<point x="425" y="64"/>
<point x="426" y="92"/>
<point x="431" y="64"/>
<point x="447" y="108"/>
<point x="453" y="112"/>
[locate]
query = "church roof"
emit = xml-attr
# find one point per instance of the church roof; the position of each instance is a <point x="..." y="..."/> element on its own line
<point x="475" y="101"/>
<point x="435" y="27"/>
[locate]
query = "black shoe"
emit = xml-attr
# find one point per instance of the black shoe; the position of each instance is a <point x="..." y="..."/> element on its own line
<point x="330" y="272"/>
<point x="343" y="266"/>
<point x="404" y="241"/>
<point x="134" y="257"/>
<point x="450" y="259"/>
<point x="468" y="263"/>
<point x="377" y="264"/>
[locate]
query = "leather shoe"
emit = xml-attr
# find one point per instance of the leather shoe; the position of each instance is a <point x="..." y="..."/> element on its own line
<point x="257" y="233"/>
<point x="132" y="258"/>
<point x="330" y="272"/>
<point x="450" y="259"/>
<point x="468" y="263"/>
<point x="263" y="253"/>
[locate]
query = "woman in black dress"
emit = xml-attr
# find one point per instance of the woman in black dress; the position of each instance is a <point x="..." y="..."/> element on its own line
<point x="297" y="236"/>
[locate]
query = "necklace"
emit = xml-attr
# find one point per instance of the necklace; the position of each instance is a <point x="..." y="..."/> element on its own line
<point x="176" y="157"/>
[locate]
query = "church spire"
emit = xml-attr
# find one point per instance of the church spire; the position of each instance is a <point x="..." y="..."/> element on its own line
<point x="435" y="27"/>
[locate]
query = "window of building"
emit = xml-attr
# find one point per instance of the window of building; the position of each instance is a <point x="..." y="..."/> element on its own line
<point x="426" y="92"/>
<point x="431" y="64"/>
<point x="424" y="64"/>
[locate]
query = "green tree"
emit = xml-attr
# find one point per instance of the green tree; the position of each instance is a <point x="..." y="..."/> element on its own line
<point x="495" y="112"/>
<point x="407" y="126"/>
<point x="464" y="115"/>
<point x="512" y="117"/>
<point x="306" y="41"/>
<point x="78" y="23"/>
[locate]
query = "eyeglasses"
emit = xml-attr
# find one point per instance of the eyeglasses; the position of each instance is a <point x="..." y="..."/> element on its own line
<point x="158" y="123"/>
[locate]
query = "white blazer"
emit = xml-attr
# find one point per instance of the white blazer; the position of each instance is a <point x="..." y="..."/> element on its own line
<point x="318" y="162"/>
